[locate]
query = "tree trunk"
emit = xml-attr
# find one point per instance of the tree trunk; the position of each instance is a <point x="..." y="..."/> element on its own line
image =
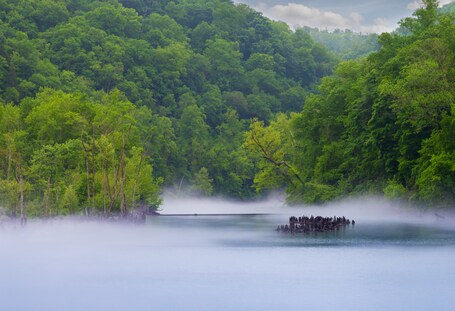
<point x="122" y="178"/>
<point x="93" y="167"/>
<point x="133" y="198"/>
<point x="107" y="186"/>
<point x="10" y="155"/>
<point x="114" y="191"/>
<point x="21" y="200"/>
<point x="46" y="198"/>
<point x="87" y="175"/>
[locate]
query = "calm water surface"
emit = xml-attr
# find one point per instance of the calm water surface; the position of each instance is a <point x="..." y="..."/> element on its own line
<point x="227" y="263"/>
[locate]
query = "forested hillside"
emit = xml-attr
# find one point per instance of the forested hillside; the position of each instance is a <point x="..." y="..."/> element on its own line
<point x="104" y="103"/>
<point x="384" y="124"/>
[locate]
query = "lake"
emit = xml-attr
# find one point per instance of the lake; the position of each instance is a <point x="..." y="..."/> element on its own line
<point x="392" y="259"/>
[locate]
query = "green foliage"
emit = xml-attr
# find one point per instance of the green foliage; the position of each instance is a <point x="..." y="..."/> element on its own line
<point x="70" y="201"/>
<point x="202" y="183"/>
<point x="9" y="195"/>
<point x="395" y="191"/>
<point x="383" y="124"/>
<point x="65" y="153"/>
<point x="162" y="30"/>
<point x="200" y="66"/>
<point x="270" y="146"/>
<point x="104" y="102"/>
<point x="436" y="182"/>
<point x="317" y="193"/>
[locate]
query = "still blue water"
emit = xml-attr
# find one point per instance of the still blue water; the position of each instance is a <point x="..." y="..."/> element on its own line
<point x="226" y="263"/>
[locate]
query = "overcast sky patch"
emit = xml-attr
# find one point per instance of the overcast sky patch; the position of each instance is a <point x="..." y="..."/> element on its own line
<point x="299" y="15"/>
<point x="368" y="16"/>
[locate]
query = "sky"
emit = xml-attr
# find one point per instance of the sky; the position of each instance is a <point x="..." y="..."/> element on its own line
<point x="369" y="16"/>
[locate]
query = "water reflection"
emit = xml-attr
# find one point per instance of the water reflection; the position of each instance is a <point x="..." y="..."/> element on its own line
<point x="258" y="231"/>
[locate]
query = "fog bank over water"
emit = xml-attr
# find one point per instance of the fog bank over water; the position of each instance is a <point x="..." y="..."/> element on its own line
<point x="360" y="209"/>
<point x="231" y="262"/>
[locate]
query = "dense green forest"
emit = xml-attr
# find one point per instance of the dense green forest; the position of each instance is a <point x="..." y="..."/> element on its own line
<point x="382" y="124"/>
<point x="106" y="103"/>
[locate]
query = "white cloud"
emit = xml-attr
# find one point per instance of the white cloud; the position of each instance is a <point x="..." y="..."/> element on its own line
<point x="356" y="17"/>
<point x="299" y="15"/>
<point x="414" y="5"/>
<point x="379" y="25"/>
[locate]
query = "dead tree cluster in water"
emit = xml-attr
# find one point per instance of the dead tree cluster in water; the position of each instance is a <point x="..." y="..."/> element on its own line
<point x="307" y="224"/>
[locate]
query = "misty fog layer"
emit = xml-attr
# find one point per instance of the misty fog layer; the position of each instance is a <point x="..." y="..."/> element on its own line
<point x="368" y="209"/>
<point x="231" y="262"/>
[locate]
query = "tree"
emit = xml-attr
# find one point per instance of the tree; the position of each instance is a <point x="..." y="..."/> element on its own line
<point x="140" y="186"/>
<point x="435" y="168"/>
<point x="270" y="145"/>
<point x="192" y="140"/>
<point x="201" y="34"/>
<point x="47" y="14"/>
<point x="161" y="30"/>
<point x="225" y="58"/>
<point x="425" y="17"/>
<point x="57" y="116"/>
<point x="202" y="183"/>
<point x="50" y="166"/>
<point x="161" y="146"/>
<point x="115" y="20"/>
<point x="115" y="120"/>
<point x="12" y="159"/>
<point x="213" y="105"/>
